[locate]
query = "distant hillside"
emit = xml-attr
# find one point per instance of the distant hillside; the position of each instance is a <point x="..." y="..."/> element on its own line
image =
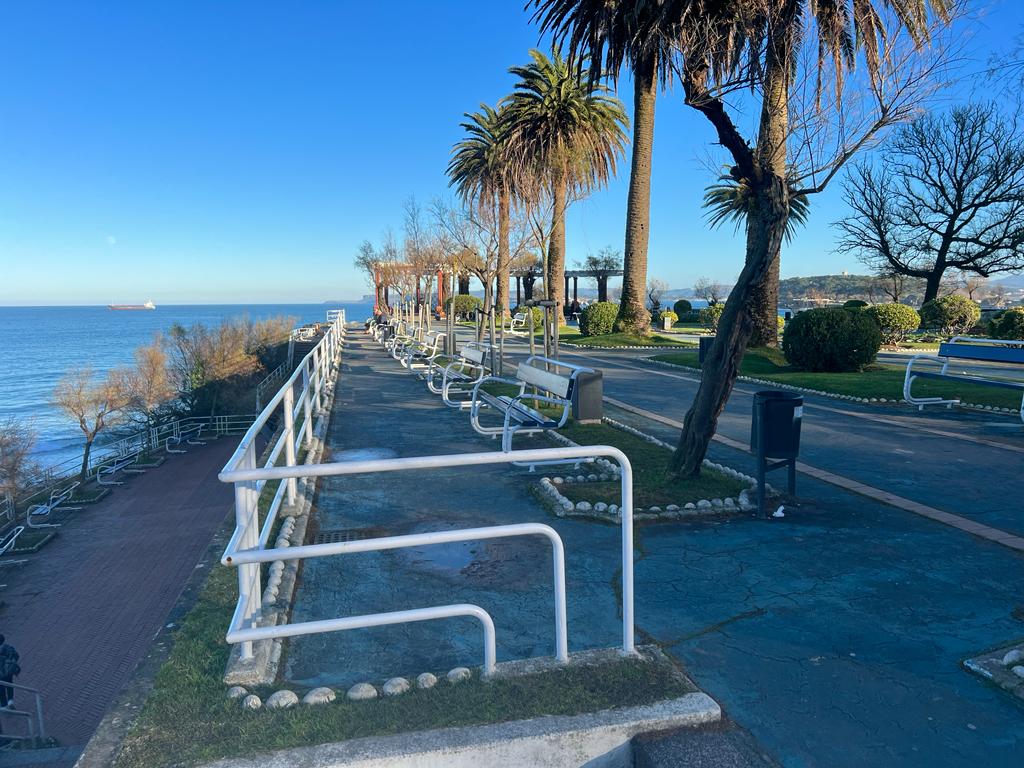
<point x="837" y="288"/>
<point x="1010" y="281"/>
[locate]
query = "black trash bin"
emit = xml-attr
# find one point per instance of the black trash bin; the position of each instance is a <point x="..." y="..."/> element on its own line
<point x="777" y="414"/>
<point x="775" y="434"/>
<point x="704" y="343"/>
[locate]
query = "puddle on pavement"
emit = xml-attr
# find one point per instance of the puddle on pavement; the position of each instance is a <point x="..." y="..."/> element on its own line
<point x="363" y="454"/>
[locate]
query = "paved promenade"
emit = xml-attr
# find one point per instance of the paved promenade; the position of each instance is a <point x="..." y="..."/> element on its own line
<point x="84" y="610"/>
<point x="835" y="636"/>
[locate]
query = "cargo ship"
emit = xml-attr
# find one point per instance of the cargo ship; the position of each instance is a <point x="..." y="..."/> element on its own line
<point x="147" y="305"/>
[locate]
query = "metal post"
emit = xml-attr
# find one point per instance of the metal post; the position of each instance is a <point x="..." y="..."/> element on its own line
<point x="289" y="441"/>
<point x="318" y="378"/>
<point x="533" y="341"/>
<point x="492" y="340"/>
<point x="307" y="407"/>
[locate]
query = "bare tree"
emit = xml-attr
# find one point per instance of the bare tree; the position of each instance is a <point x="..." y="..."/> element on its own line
<point x="817" y="94"/>
<point x="707" y="289"/>
<point x="946" y="196"/>
<point x="655" y="290"/>
<point x="998" y="295"/>
<point x="975" y="286"/>
<point x="17" y="441"/>
<point x="147" y="388"/>
<point x="94" y="404"/>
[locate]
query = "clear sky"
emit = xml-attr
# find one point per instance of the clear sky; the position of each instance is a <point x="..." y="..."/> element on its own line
<point x="240" y="151"/>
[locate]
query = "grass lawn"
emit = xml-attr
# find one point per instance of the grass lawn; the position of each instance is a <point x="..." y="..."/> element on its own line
<point x="31" y="538"/>
<point x="652" y="485"/>
<point x="627" y="340"/>
<point x="879" y="380"/>
<point x="187" y="718"/>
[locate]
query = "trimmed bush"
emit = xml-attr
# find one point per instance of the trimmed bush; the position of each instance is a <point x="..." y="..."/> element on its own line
<point x="895" y="321"/>
<point x="855" y="304"/>
<point x="1008" y="324"/>
<point x="598" y="318"/>
<point x="831" y="339"/>
<point x="538" y="317"/>
<point x="782" y="323"/>
<point x="709" y="316"/>
<point x="463" y="305"/>
<point x="951" y="314"/>
<point x="669" y="315"/>
<point x="682" y="308"/>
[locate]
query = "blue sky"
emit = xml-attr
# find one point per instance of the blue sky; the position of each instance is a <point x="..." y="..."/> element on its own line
<point x="240" y="151"/>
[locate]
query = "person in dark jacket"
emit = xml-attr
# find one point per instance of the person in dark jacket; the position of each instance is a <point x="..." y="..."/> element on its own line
<point x="8" y="669"/>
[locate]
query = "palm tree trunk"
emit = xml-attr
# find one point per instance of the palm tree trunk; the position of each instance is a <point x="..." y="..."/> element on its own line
<point x="633" y="315"/>
<point x="503" y="255"/>
<point x="555" y="277"/>
<point x="764" y="306"/>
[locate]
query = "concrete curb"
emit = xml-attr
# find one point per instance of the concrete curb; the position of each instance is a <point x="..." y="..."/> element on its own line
<point x="598" y="739"/>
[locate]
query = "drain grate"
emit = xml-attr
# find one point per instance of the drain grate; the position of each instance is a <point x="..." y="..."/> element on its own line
<point x="336" y="535"/>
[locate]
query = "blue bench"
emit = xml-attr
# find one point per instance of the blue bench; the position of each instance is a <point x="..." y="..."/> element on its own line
<point x="953" y="362"/>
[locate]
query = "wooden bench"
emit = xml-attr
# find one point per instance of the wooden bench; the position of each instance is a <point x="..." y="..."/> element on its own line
<point x="519" y="325"/>
<point x="454" y="381"/>
<point x="188" y="435"/>
<point x="420" y="354"/>
<point x="960" y="353"/>
<point x="117" y="464"/>
<point x="7" y="544"/>
<point x="57" y="498"/>
<point x="550" y="387"/>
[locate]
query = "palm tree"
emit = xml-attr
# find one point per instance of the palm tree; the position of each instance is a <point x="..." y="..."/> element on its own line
<point x="569" y="133"/>
<point x="759" y="44"/>
<point x="481" y="171"/>
<point x="613" y="34"/>
<point x="730" y="201"/>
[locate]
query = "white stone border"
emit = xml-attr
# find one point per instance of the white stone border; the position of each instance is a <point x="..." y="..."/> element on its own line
<point x="565" y="507"/>
<point x="834" y="395"/>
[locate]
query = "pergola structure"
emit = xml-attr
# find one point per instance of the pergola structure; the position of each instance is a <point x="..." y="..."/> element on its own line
<point x="525" y="278"/>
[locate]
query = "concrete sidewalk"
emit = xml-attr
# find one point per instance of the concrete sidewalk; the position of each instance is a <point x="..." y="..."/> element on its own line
<point x="84" y="610"/>
<point x="834" y="636"/>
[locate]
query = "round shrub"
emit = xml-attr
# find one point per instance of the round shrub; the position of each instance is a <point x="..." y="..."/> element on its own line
<point x="951" y="314"/>
<point x="1008" y="324"/>
<point x="709" y="316"/>
<point x="464" y="305"/>
<point x="855" y="304"/>
<point x="669" y="315"/>
<point x="598" y="318"/>
<point x="538" y="317"/>
<point x="782" y="323"/>
<point x="831" y="339"/>
<point x="895" y="321"/>
<point x="682" y="307"/>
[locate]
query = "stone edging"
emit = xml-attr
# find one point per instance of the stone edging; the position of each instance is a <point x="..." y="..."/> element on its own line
<point x="565" y="507"/>
<point x="648" y="346"/>
<point x="834" y="395"/>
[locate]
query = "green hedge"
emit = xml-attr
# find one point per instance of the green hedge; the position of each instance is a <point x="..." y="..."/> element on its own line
<point x="682" y="307"/>
<point x="1008" y="324"/>
<point x="598" y="318"/>
<point x="831" y="339"/>
<point x="463" y="305"/>
<point x="709" y="316"/>
<point x="538" y="317"/>
<point x="950" y="315"/>
<point x="895" y="321"/>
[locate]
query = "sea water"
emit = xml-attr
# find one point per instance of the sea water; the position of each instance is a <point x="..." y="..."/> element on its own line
<point x="38" y="345"/>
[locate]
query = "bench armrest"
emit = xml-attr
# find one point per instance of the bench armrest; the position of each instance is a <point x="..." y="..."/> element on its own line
<point x="565" y="403"/>
<point x="498" y="379"/>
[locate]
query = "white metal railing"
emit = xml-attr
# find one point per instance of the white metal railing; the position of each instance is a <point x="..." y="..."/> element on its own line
<point x="298" y="411"/>
<point x="33" y="717"/>
<point x="246" y="550"/>
<point x="272" y="378"/>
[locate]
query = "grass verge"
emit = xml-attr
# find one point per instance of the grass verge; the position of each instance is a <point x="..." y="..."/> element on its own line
<point x="627" y="340"/>
<point x="187" y="718"/>
<point x="652" y="485"/>
<point x="880" y="380"/>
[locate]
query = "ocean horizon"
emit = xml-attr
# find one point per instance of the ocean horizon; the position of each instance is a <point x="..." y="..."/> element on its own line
<point x="39" y="344"/>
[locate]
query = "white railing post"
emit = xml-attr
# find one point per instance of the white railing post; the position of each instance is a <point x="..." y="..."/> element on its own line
<point x="318" y="377"/>
<point x="247" y="518"/>
<point x="307" y="407"/>
<point x="289" y="438"/>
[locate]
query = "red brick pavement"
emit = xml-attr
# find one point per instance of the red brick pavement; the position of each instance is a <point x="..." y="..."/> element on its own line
<point x="84" y="610"/>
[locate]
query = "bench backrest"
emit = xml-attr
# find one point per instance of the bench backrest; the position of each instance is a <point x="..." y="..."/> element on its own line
<point x="985" y="352"/>
<point x="559" y="386"/>
<point x="474" y="354"/>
